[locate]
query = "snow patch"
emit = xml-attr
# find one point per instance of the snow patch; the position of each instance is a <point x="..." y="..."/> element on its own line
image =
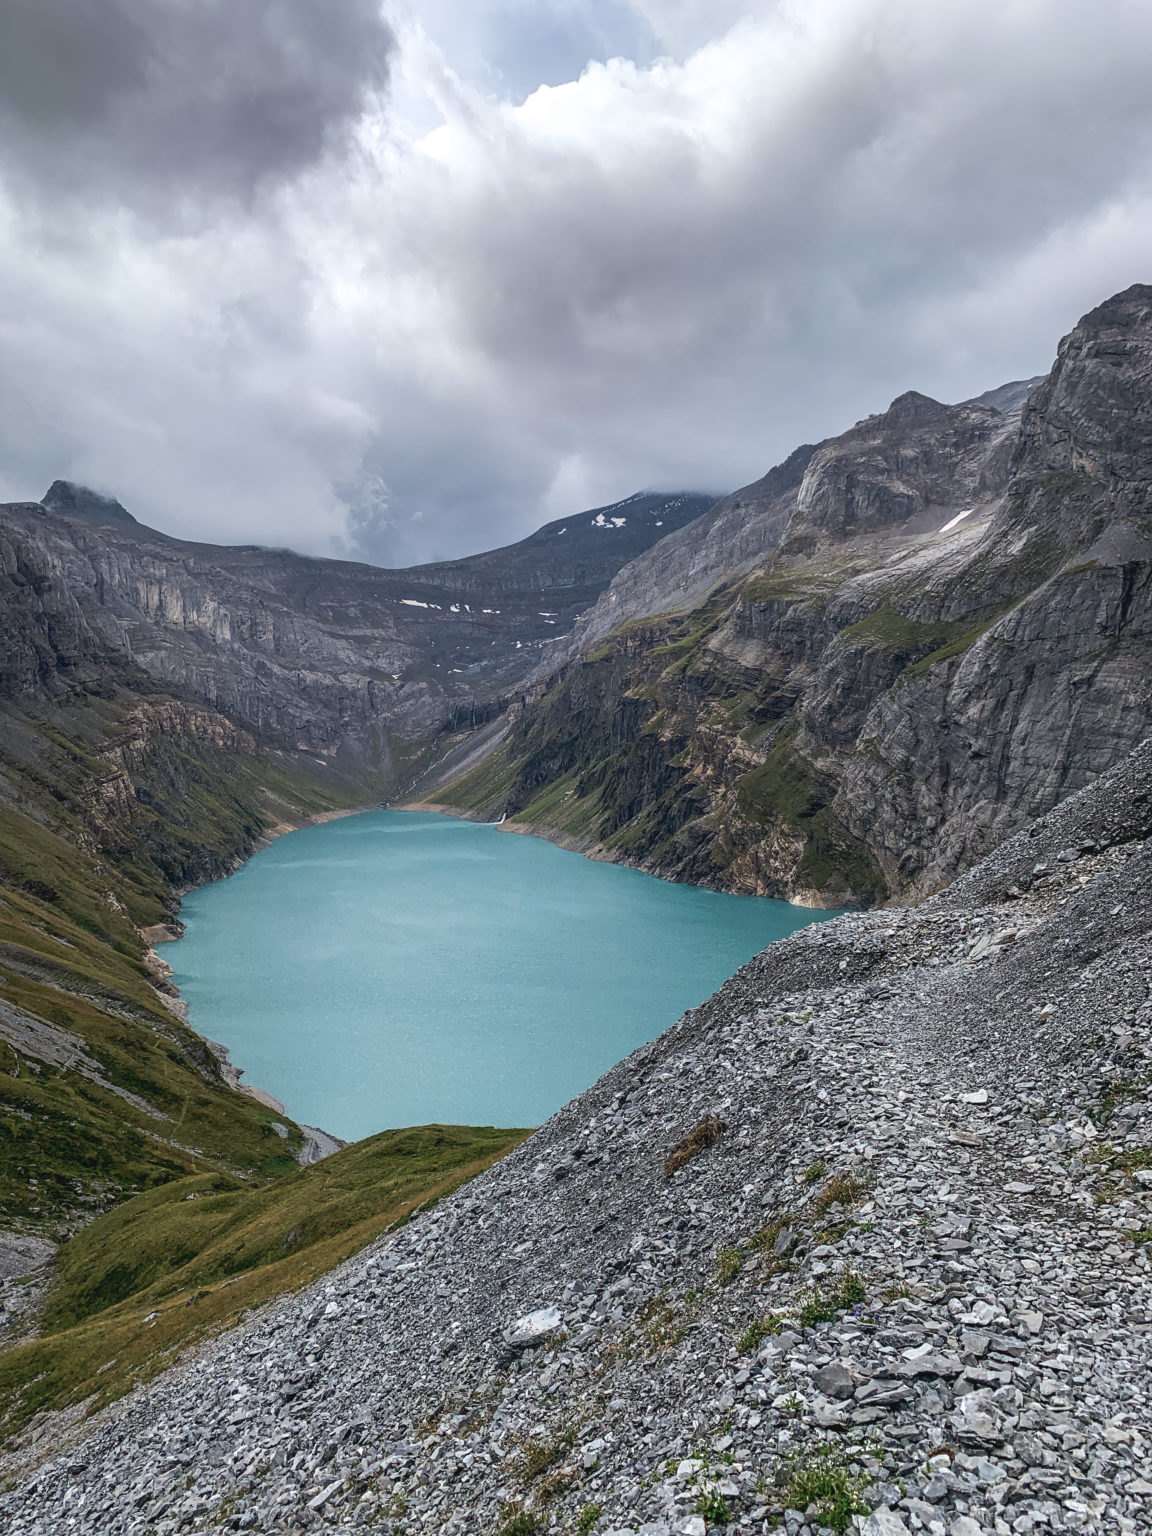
<point x="959" y="518"/>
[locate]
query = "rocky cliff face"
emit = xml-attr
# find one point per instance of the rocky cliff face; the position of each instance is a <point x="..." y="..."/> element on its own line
<point x="945" y="631"/>
<point x="341" y="660"/>
<point x="917" y="456"/>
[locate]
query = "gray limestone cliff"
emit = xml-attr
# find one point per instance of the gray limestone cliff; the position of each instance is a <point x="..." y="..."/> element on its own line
<point x="944" y="631"/>
<point x="346" y="661"/>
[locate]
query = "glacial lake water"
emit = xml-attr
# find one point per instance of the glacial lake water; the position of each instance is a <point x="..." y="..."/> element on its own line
<point x="398" y="968"/>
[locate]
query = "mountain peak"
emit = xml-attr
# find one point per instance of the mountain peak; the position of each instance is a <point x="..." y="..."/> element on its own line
<point x="913" y="406"/>
<point x="68" y="499"/>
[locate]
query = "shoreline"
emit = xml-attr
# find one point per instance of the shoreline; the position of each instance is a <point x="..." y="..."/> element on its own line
<point x="317" y="1143"/>
<point x="600" y="852"/>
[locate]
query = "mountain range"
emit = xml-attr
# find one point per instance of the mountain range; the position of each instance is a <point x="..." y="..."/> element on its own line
<point x="909" y="667"/>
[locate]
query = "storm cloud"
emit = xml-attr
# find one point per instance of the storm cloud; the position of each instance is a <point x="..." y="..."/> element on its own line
<point x="318" y="275"/>
<point x="157" y="101"/>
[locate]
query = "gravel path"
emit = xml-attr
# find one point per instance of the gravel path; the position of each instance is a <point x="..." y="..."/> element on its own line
<point x="898" y="1282"/>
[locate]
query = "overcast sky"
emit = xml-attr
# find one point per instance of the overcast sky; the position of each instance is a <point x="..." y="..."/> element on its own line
<point x="405" y="283"/>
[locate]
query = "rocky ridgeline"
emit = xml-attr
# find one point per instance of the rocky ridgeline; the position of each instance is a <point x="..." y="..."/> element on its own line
<point x="325" y="656"/>
<point x="855" y="678"/>
<point x="861" y="1241"/>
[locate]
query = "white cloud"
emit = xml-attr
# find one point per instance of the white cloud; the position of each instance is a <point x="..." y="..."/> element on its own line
<point x="660" y="272"/>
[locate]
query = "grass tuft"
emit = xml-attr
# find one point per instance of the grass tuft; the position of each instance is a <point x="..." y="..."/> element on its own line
<point x="714" y="1508"/>
<point x="538" y="1455"/>
<point x="704" y="1134"/>
<point x="841" y="1189"/>
<point x="824" y="1480"/>
<point x="728" y="1266"/>
<point x="822" y="1304"/>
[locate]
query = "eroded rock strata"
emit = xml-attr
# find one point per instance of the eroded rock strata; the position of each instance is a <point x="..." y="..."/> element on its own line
<point x="356" y="664"/>
<point x="898" y="1273"/>
<point x="944" y="630"/>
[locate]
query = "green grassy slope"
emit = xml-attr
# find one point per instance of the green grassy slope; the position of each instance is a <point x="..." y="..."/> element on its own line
<point x="106" y="803"/>
<point x="184" y="1260"/>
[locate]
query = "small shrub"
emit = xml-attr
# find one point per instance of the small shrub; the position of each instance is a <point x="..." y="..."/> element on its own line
<point x="851" y="1291"/>
<point x="714" y="1508"/>
<point x="704" y="1134"/>
<point x="587" y="1518"/>
<point x="842" y="1189"/>
<point x="813" y="1173"/>
<point x="826" y="1482"/>
<point x="539" y="1455"/>
<point x="728" y="1266"/>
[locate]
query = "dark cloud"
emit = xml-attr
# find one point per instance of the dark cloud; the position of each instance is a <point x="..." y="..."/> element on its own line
<point x="159" y="101"/>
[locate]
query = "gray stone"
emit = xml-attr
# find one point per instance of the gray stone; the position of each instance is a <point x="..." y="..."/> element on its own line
<point x="834" y="1381"/>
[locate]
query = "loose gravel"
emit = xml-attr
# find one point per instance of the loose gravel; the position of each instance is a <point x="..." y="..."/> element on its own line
<point x="905" y="1287"/>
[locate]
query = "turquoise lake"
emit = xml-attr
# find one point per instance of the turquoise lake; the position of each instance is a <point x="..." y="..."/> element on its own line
<point x="397" y="968"/>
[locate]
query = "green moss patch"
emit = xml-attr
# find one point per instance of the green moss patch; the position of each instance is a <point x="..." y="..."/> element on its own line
<point x="888" y="630"/>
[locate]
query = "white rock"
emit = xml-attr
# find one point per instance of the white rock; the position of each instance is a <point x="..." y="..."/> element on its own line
<point x="882" y="1522"/>
<point x="979" y="1097"/>
<point x="533" y="1327"/>
<point x="982" y="1312"/>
